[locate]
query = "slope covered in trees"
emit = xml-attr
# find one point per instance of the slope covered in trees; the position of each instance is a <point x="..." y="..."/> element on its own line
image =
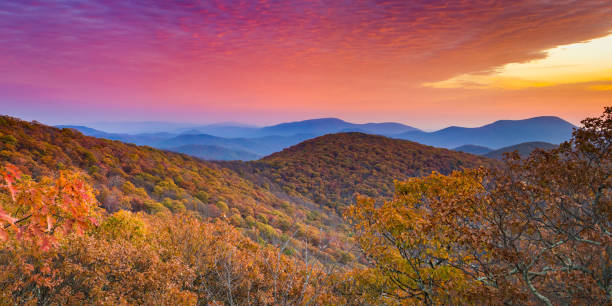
<point x="58" y="248"/>
<point x="330" y="169"/>
<point x="534" y="231"/>
<point x="527" y="231"/>
<point x="135" y="178"/>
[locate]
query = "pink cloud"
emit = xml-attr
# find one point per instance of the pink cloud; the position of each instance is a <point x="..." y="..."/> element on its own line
<point x="312" y="55"/>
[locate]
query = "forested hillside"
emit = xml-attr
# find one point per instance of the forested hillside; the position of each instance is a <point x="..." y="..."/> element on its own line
<point x="330" y="169"/>
<point x="535" y="231"/>
<point x="522" y="231"/>
<point x="138" y="178"/>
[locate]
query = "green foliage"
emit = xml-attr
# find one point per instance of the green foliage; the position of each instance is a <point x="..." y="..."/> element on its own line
<point x="8" y="139"/>
<point x="346" y="257"/>
<point x="202" y="196"/>
<point x="154" y="207"/>
<point x="222" y="206"/>
<point x="237" y="220"/>
<point x="266" y="231"/>
<point x="174" y="205"/>
<point x="123" y="225"/>
<point x="289" y="251"/>
<point x="250" y="221"/>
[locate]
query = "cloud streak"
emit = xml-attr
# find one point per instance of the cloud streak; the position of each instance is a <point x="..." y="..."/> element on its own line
<point x="266" y="53"/>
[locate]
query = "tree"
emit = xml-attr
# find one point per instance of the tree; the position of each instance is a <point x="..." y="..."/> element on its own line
<point x="537" y="229"/>
<point x="34" y="216"/>
<point x="39" y="212"/>
<point x="551" y="220"/>
<point x="415" y="240"/>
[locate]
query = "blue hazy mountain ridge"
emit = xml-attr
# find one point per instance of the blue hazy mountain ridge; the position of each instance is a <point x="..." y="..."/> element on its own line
<point x="266" y="140"/>
<point x="472" y="149"/>
<point x="240" y="148"/>
<point x="139" y="127"/>
<point x="497" y="134"/>
<point x="210" y="152"/>
<point x="257" y="145"/>
<point x="523" y="149"/>
<point x="85" y="130"/>
<point x="143" y="139"/>
<point x="324" y="126"/>
<point x="221" y="130"/>
<point x="316" y="127"/>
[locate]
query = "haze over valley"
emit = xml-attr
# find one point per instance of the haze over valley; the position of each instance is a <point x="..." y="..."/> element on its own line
<point x="240" y="142"/>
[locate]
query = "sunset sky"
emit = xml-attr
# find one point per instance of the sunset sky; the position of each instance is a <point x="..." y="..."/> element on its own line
<point x="425" y="63"/>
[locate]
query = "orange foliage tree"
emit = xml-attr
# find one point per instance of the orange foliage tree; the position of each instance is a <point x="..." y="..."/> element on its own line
<point x="537" y="229"/>
<point x="416" y="240"/>
<point x="39" y="212"/>
<point x="34" y="217"/>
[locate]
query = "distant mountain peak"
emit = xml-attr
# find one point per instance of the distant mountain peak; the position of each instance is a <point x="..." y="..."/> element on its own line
<point x="473" y="149"/>
<point x="539" y="119"/>
<point x="498" y="134"/>
<point x="523" y="149"/>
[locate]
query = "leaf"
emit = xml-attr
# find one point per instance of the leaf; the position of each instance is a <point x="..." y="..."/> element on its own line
<point x="49" y="223"/>
<point x="10" y="175"/>
<point x="6" y="217"/>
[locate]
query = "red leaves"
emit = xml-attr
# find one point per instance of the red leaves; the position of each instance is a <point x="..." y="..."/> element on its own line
<point x="10" y="175"/>
<point x="3" y="235"/>
<point x="6" y="217"/>
<point x="47" y="208"/>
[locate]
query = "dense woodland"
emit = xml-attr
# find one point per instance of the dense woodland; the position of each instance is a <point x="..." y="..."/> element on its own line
<point x="91" y="221"/>
<point x="331" y="169"/>
<point x="137" y="178"/>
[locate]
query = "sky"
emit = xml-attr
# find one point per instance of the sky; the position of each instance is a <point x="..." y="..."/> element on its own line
<point x="425" y="63"/>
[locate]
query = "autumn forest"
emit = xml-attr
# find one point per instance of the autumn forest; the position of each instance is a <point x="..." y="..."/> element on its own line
<point x="346" y="218"/>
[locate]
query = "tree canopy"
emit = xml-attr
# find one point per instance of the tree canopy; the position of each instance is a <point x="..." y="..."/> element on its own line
<point x="535" y="229"/>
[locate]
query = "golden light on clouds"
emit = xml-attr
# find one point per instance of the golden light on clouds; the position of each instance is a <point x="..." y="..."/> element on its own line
<point x="586" y="62"/>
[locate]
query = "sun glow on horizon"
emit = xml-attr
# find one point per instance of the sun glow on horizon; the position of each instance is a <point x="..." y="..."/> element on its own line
<point x="585" y="62"/>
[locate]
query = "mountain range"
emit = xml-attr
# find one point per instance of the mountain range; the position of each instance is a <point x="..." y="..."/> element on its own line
<point x="523" y="149"/>
<point x="231" y="141"/>
<point x="497" y="134"/>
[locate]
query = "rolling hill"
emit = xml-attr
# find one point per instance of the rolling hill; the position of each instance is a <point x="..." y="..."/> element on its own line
<point x="498" y="134"/>
<point x="472" y="149"/>
<point x="523" y="149"/>
<point x="136" y="178"/>
<point x="314" y="127"/>
<point x="210" y="152"/>
<point x="330" y="169"/>
<point x="324" y="126"/>
<point x="143" y="139"/>
<point x="266" y="140"/>
<point x="257" y="146"/>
